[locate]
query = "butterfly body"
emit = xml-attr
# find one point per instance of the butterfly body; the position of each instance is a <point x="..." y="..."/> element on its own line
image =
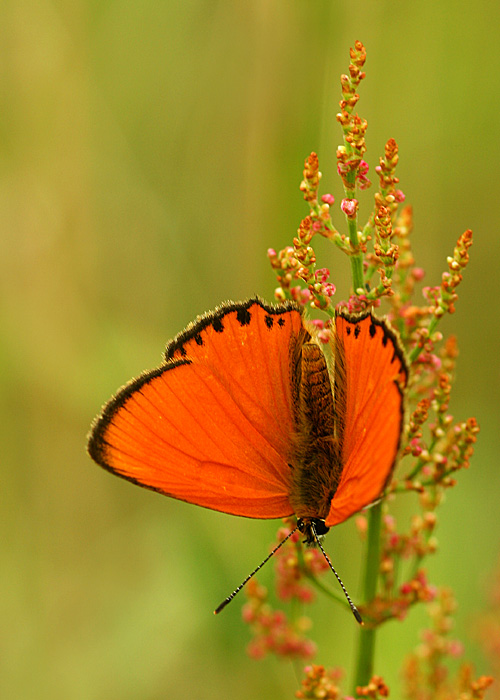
<point x="248" y="416"/>
<point x="316" y="456"/>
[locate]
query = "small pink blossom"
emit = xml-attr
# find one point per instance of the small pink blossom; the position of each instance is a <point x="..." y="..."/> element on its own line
<point x="318" y="323"/>
<point x="328" y="289"/>
<point x="362" y="525"/>
<point x="363" y="167"/>
<point x="430" y="359"/>
<point x="322" y="274"/>
<point x="324" y="336"/>
<point x="361" y="178"/>
<point x="349" y="207"/>
<point x="301" y="296"/>
<point x="431" y="293"/>
<point x="455" y="648"/>
<point x="328" y="199"/>
<point x="416" y="448"/>
<point x="394" y="540"/>
<point x="389" y="522"/>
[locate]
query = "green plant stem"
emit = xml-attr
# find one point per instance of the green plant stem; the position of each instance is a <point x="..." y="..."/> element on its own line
<point x="356" y="258"/>
<point x="366" y="645"/>
<point x="352" y="226"/>
<point x="357" y="272"/>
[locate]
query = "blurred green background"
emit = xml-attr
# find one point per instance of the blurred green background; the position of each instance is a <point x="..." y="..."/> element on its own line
<point x="150" y="153"/>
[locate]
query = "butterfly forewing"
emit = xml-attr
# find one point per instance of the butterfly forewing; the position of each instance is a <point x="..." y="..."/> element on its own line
<point x="248" y="346"/>
<point x="212" y="425"/>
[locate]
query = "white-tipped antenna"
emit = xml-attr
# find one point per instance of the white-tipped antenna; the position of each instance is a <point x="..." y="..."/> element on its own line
<point x="354" y="609"/>
<point x="237" y="590"/>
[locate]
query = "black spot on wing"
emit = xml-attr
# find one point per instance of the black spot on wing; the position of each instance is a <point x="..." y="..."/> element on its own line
<point x="243" y="316"/>
<point x="217" y="325"/>
<point x="215" y="319"/>
<point x="389" y="335"/>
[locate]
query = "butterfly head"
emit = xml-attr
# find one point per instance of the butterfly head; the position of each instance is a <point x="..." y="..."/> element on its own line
<point x="305" y="526"/>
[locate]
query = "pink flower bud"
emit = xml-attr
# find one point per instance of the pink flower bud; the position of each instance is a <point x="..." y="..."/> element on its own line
<point x="399" y="196"/>
<point x="394" y="540"/>
<point x="418" y="273"/>
<point x="328" y="199"/>
<point x="324" y="336"/>
<point x="389" y="522"/>
<point x="329" y="289"/>
<point x="349" y="207"/>
<point x="455" y="648"/>
<point x="318" y="323"/>
<point x="362" y="524"/>
<point x="322" y="274"/>
<point x="248" y="614"/>
<point x="363" y="167"/>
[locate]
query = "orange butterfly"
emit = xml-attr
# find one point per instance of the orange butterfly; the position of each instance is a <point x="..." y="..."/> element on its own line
<point x="247" y="416"/>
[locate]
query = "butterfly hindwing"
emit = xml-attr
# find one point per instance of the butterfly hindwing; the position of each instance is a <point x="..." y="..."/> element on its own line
<point x="373" y="379"/>
<point x="211" y="426"/>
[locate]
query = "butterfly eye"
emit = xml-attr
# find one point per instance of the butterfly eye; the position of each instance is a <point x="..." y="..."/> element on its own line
<point x="304" y="525"/>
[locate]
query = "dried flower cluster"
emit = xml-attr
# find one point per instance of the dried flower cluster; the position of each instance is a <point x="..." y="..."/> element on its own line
<point x="272" y="631"/>
<point x="488" y="630"/>
<point x="322" y="683"/>
<point x="426" y="674"/>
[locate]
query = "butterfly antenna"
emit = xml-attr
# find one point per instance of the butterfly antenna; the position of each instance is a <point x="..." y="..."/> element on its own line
<point x="354" y="609"/>
<point x="237" y="590"/>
